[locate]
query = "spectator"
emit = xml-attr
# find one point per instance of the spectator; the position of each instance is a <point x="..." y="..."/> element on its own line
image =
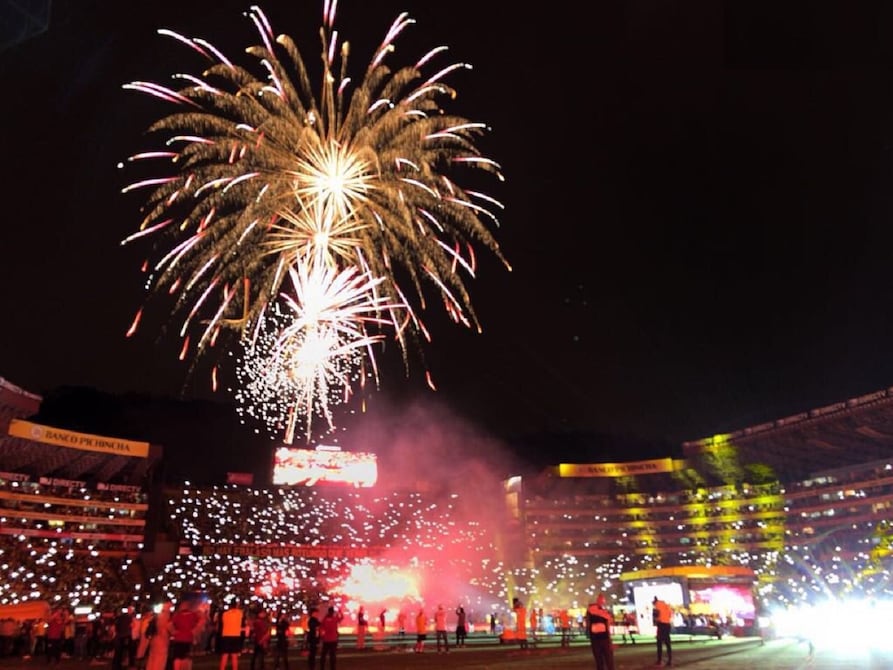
<point x="68" y="634"/>
<point x="260" y="632"/>
<point x="520" y="622"/>
<point x="662" y="615"/>
<point x="564" y="627"/>
<point x="312" y="637"/>
<point x="8" y="630"/>
<point x="54" y="634"/>
<point x="280" y="649"/>
<point x="39" y="638"/>
<point x="421" y="630"/>
<point x="229" y="630"/>
<point x="204" y="637"/>
<point x="134" y="643"/>
<point x="27" y="633"/>
<point x="380" y="633"/>
<point x="121" y="644"/>
<point x="362" y="626"/>
<point x="184" y="628"/>
<point x="598" y="625"/>
<point x="146" y="620"/>
<point x="632" y="626"/>
<point x="461" y="626"/>
<point x="329" y="636"/>
<point x="159" y="639"/>
<point x="440" y="630"/>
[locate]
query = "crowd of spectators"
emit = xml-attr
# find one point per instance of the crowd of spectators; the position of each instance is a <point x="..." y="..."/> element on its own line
<point x="53" y="571"/>
<point x="323" y="534"/>
<point x="289" y="546"/>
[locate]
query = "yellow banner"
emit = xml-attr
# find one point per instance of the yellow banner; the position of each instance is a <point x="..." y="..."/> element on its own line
<point x="72" y="440"/>
<point x="615" y="469"/>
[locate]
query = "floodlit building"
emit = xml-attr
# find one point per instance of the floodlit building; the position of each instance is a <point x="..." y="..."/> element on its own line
<point x="803" y="502"/>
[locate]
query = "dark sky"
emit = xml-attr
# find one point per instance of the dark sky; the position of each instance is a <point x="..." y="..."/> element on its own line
<point x="698" y="204"/>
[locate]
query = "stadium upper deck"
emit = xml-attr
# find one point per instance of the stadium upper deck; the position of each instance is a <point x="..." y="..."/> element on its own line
<point x="850" y="432"/>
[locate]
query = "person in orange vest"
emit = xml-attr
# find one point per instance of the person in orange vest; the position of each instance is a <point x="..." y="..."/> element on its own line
<point x="662" y="615"/>
<point x="598" y="626"/>
<point x="229" y="629"/>
<point x="564" y="624"/>
<point x="421" y="630"/>
<point x="520" y="622"/>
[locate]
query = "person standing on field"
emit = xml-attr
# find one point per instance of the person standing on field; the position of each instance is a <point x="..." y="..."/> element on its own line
<point x="598" y="626"/>
<point x="440" y="630"/>
<point x="461" y="626"/>
<point x="421" y="629"/>
<point x="662" y="615"/>
<point x="229" y="635"/>
<point x="329" y="635"/>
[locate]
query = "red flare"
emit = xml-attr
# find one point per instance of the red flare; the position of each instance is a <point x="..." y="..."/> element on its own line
<point x="136" y="322"/>
<point x="185" y="348"/>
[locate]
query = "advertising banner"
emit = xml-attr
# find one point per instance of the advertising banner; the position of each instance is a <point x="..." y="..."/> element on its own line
<point x="616" y="469"/>
<point x="280" y="551"/>
<point x="84" y="441"/>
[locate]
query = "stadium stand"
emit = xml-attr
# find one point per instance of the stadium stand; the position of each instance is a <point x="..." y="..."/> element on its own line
<point x="803" y="502"/>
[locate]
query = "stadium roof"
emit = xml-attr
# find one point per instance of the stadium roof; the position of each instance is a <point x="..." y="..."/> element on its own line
<point x="847" y="433"/>
<point x="47" y="460"/>
<point x="21" y="455"/>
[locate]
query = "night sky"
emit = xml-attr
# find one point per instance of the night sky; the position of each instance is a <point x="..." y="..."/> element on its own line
<point x="697" y="205"/>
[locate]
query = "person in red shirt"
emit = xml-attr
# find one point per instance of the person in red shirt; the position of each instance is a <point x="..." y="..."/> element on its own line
<point x="261" y="631"/>
<point x="184" y="625"/>
<point x="54" y="633"/>
<point x="329" y="636"/>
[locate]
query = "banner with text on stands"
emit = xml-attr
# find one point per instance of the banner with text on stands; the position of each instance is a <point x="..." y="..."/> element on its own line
<point x="84" y="441"/>
<point x="280" y="551"/>
<point x="650" y="467"/>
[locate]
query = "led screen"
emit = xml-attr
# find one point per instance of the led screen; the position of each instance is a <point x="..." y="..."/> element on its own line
<point x="726" y="600"/>
<point x="643" y="596"/>
<point x="309" y="467"/>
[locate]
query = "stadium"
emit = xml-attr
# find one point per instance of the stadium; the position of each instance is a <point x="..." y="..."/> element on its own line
<point x="785" y="514"/>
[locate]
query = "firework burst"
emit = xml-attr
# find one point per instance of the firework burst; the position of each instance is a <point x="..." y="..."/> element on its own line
<point x="264" y="179"/>
<point x="309" y="355"/>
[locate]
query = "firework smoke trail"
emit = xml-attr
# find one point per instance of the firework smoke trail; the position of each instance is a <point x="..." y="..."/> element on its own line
<point x="263" y="176"/>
